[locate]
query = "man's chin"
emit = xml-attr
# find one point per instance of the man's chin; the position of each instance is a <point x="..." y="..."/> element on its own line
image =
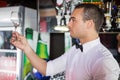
<point x="72" y="36"/>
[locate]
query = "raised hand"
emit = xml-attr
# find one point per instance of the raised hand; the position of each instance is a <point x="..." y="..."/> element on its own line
<point x="19" y="41"/>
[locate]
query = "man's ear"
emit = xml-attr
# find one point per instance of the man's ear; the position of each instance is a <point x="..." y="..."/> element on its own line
<point x="118" y="36"/>
<point x="90" y="24"/>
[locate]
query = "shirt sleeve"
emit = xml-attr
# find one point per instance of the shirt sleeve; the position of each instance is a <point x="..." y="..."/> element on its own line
<point x="57" y="65"/>
<point x="106" y="68"/>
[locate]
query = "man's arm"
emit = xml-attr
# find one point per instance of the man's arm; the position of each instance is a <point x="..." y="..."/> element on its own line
<point x="36" y="61"/>
<point x="21" y="42"/>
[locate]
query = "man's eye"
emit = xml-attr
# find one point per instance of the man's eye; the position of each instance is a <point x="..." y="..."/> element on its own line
<point x="71" y="20"/>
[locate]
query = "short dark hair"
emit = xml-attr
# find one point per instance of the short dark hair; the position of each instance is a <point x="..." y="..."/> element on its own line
<point x="92" y="12"/>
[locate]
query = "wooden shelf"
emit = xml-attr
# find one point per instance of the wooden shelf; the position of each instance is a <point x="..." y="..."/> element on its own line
<point x="109" y="32"/>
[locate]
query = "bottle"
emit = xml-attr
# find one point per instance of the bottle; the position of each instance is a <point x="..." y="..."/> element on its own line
<point x="42" y="50"/>
<point x="27" y="65"/>
<point x="86" y="0"/>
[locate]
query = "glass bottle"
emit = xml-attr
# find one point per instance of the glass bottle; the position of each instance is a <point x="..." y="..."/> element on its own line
<point x="27" y="65"/>
<point x="41" y="50"/>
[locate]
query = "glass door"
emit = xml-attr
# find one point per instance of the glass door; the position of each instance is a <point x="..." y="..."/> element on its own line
<point x="10" y="56"/>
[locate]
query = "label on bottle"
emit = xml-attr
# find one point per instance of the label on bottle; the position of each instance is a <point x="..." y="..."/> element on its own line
<point x="42" y="51"/>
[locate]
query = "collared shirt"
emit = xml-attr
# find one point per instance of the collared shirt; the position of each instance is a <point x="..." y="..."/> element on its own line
<point x="96" y="62"/>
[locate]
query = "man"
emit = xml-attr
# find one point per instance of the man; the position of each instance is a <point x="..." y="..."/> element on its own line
<point x="94" y="62"/>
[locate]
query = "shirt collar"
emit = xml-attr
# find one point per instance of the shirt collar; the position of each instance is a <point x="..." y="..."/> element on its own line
<point x="88" y="45"/>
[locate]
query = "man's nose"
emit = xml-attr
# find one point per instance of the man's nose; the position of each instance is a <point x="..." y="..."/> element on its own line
<point x="69" y="24"/>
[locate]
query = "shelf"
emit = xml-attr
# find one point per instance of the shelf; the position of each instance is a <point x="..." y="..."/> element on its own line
<point x="9" y="51"/>
<point x="8" y="71"/>
<point x="109" y="32"/>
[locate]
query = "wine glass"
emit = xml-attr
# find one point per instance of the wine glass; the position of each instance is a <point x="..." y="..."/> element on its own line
<point x="14" y="19"/>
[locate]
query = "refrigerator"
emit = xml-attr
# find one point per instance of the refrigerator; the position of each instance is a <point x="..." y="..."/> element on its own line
<point x="14" y="18"/>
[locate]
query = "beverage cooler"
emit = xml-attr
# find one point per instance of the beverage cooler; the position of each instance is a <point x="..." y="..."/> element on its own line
<point x="16" y="18"/>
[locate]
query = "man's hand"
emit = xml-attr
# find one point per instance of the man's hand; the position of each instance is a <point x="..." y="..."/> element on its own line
<point x="19" y="41"/>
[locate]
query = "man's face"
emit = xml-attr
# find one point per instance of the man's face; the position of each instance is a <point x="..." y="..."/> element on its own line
<point x="76" y="24"/>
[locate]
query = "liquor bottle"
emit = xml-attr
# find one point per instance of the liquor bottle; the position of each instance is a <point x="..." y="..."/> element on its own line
<point x="42" y="50"/>
<point x="27" y="64"/>
<point x="86" y="0"/>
